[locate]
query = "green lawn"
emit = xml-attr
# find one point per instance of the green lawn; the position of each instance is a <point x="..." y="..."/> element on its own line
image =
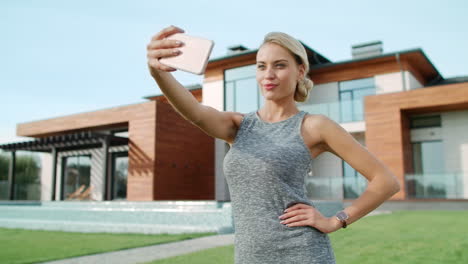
<point x="412" y="237"/>
<point x="30" y="246"/>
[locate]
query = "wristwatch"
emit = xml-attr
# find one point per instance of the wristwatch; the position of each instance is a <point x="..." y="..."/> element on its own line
<point x="342" y="216"/>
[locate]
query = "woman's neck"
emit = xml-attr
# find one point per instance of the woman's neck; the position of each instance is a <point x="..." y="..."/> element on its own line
<point x="273" y="111"/>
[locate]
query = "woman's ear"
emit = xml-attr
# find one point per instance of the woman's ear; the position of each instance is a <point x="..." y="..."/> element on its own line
<point x="301" y="71"/>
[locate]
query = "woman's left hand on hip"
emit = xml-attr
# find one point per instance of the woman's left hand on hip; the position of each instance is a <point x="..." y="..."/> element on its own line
<point x="306" y="215"/>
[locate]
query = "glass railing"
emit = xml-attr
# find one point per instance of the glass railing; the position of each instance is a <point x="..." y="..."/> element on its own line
<point x="450" y="185"/>
<point x="335" y="187"/>
<point x="340" y="111"/>
<point x="329" y="188"/>
<point x="353" y="187"/>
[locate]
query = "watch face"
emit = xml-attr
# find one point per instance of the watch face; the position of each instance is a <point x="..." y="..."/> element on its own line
<point x="342" y="215"/>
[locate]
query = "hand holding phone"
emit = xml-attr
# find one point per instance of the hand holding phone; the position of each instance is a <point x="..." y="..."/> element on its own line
<point x="194" y="56"/>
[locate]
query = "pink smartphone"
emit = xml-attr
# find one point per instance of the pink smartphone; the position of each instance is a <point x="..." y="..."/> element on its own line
<point x="195" y="54"/>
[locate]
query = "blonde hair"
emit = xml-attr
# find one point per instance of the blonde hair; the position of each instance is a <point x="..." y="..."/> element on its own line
<point x="298" y="51"/>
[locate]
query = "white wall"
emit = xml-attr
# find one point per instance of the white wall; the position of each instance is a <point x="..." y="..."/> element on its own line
<point x="411" y="82"/>
<point x="326" y="171"/>
<point x="213" y="95"/>
<point x="455" y="141"/>
<point x="323" y="93"/>
<point x="392" y="82"/>
<point x="46" y="176"/>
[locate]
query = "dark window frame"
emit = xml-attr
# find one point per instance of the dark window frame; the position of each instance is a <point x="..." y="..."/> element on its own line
<point x="64" y="168"/>
<point x="110" y="185"/>
<point x="417" y="118"/>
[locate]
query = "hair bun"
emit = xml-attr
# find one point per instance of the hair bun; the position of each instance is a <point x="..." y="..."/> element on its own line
<point x="303" y="89"/>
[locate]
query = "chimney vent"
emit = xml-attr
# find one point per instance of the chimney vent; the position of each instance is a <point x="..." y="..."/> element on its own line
<point x="236" y="49"/>
<point x="365" y="50"/>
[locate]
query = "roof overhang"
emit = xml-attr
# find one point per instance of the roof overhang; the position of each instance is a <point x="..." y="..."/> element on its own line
<point x="80" y="140"/>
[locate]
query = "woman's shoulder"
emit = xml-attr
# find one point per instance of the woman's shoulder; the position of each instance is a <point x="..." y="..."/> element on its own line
<point x="238" y="117"/>
<point x="315" y="119"/>
<point x="315" y="122"/>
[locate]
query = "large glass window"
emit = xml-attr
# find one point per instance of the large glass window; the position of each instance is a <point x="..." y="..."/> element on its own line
<point x="77" y="178"/>
<point x="242" y="93"/>
<point x="354" y="183"/>
<point x="27" y="176"/>
<point x="4" y="166"/>
<point x="429" y="179"/>
<point x="119" y="175"/>
<point x="351" y="94"/>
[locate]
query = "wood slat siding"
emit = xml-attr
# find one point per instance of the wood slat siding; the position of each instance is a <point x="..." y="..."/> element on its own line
<point x="387" y="123"/>
<point x="184" y="158"/>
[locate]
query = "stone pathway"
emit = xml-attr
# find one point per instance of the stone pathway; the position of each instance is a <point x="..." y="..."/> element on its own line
<point x="150" y="253"/>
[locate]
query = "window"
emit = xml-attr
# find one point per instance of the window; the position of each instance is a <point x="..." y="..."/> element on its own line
<point x="241" y="92"/>
<point x="425" y="121"/>
<point x="429" y="179"/>
<point x="27" y="176"/>
<point x="119" y="175"/>
<point x="351" y="95"/>
<point x="428" y="157"/>
<point x="76" y="180"/>
<point x="4" y="166"/>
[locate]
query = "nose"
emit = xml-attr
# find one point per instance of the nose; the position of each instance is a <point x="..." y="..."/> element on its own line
<point x="269" y="74"/>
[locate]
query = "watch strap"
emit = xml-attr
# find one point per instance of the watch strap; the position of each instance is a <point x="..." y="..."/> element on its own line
<point x="342" y="216"/>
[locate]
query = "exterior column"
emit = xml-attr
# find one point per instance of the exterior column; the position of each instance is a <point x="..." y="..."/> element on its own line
<point x="54" y="172"/>
<point x="11" y="175"/>
<point x="105" y="171"/>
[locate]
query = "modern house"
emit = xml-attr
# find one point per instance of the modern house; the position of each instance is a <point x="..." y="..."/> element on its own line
<point x="396" y="104"/>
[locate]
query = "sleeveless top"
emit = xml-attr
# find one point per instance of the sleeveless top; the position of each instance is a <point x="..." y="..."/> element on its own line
<point x="265" y="169"/>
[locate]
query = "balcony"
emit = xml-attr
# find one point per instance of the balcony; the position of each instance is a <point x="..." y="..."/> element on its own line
<point x="341" y="111"/>
<point x="448" y="185"/>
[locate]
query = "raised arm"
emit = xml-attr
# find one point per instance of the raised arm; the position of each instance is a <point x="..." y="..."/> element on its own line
<point x="215" y="123"/>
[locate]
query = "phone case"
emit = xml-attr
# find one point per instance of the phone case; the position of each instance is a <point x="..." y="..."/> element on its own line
<point x="195" y="54"/>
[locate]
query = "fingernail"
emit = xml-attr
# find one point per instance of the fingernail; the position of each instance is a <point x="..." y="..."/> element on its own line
<point x="179" y="43"/>
<point x="280" y="216"/>
<point x="282" y="222"/>
<point x="176" y="52"/>
<point x="285" y="210"/>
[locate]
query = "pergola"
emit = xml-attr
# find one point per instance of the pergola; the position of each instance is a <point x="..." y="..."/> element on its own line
<point x="54" y="144"/>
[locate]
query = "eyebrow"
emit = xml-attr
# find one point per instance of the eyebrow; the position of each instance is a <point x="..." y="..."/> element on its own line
<point x="282" y="60"/>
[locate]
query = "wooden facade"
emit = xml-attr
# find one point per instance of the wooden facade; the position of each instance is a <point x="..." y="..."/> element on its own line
<point x="387" y="123"/>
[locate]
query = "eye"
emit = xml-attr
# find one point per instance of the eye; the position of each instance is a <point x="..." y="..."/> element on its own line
<point x="260" y="66"/>
<point x="280" y="65"/>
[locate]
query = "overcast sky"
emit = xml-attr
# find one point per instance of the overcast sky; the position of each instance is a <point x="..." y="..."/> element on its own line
<point x="65" y="57"/>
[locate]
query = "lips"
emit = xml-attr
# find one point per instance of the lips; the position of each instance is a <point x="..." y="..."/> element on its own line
<point x="269" y="86"/>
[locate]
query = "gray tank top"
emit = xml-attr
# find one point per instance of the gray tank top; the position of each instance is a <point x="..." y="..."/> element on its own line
<point x="265" y="169"/>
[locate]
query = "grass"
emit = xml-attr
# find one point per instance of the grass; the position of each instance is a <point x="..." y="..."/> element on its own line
<point x="404" y="237"/>
<point x="32" y="246"/>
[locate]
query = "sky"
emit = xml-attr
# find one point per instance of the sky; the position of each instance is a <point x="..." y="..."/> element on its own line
<point x="59" y="58"/>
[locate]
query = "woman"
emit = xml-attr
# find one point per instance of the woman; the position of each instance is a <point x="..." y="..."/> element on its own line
<point x="271" y="150"/>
